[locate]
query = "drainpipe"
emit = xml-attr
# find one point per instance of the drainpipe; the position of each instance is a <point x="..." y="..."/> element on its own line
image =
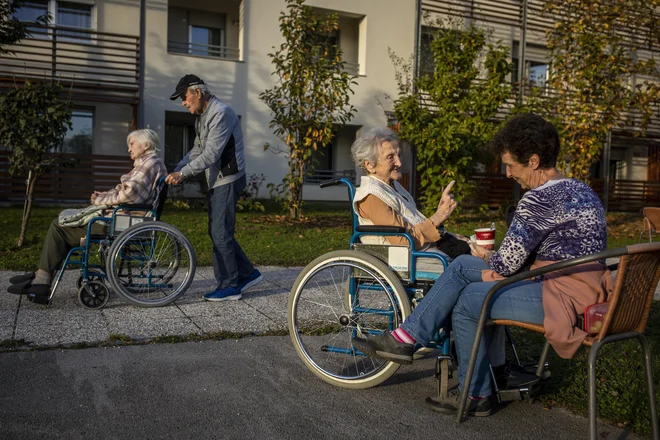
<point x="418" y="41"/>
<point x="143" y="26"/>
<point x="606" y="169"/>
<point x="521" y="53"/>
<point x="521" y="81"/>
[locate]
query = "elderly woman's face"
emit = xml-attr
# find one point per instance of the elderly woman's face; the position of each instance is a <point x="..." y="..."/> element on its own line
<point x="135" y="148"/>
<point x="388" y="164"/>
<point x="520" y="172"/>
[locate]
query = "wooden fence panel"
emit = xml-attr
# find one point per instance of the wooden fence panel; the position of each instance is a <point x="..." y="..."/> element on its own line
<point x="74" y="183"/>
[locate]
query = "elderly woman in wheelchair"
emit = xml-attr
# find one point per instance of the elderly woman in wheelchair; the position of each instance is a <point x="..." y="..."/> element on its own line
<point x="557" y="219"/>
<point x="137" y="189"/>
<point x="381" y="200"/>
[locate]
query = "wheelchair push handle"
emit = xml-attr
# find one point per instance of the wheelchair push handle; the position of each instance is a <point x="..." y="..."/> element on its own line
<point x="333" y="182"/>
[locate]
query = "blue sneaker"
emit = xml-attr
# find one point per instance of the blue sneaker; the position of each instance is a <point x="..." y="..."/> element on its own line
<point x="252" y="280"/>
<point x="227" y="294"/>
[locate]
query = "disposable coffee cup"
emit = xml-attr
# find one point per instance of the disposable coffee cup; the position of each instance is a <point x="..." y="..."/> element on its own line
<point x="485" y="237"/>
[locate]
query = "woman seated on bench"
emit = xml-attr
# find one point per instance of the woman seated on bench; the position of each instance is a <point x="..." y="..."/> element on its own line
<point x="138" y="186"/>
<point x="557" y="219"/>
<point x="381" y="200"/>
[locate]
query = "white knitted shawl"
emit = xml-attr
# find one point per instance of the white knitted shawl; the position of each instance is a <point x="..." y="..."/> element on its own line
<point x="396" y="198"/>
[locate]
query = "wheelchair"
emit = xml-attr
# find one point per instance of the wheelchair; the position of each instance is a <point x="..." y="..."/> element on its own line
<point x="146" y="262"/>
<point x="368" y="289"/>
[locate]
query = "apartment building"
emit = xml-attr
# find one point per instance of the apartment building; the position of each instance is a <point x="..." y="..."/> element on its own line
<point x="93" y="46"/>
<point x="630" y="165"/>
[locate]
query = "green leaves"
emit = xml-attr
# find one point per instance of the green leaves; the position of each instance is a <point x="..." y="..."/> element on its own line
<point x="593" y="66"/>
<point x="447" y="115"/>
<point x="310" y="96"/>
<point x="35" y="120"/>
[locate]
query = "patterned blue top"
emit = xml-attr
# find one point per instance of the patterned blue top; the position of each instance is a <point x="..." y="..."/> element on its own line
<point x="561" y="219"/>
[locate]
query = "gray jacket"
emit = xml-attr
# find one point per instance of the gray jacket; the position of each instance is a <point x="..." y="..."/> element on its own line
<point x="218" y="149"/>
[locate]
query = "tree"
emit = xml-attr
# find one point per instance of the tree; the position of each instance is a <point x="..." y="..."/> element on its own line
<point x="11" y="29"/>
<point x="596" y="76"/>
<point x="311" y="93"/>
<point x="447" y="115"/>
<point x="34" y="121"/>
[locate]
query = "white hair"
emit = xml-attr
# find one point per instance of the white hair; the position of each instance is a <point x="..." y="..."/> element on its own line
<point x="146" y="137"/>
<point x="365" y="148"/>
<point x="202" y="88"/>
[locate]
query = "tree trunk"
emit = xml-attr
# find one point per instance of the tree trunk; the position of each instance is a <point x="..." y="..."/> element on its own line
<point x="296" y="170"/>
<point x="27" y="206"/>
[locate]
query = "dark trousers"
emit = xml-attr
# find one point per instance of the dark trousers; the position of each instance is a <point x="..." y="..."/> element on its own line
<point x="59" y="241"/>
<point x="230" y="264"/>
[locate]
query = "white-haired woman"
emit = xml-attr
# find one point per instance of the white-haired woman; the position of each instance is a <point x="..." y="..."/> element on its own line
<point x="381" y="200"/>
<point x="138" y="186"/>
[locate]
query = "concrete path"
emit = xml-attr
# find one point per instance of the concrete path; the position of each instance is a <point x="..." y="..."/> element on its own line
<point x="65" y="321"/>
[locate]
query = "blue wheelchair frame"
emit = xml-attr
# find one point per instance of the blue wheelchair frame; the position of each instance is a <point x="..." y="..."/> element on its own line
<point x="82" y="252"/>
<point x="443" y="340"/>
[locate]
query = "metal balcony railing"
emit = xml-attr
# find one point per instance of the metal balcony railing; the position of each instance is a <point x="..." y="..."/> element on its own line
<point x="203" y="50"/>
<point x="352" y="68"/>
<point x="95" y="65"/>
<point x="318" y="176"/>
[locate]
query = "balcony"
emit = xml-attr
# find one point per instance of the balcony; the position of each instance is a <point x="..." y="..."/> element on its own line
<point x="212" y="31"/>
<point x="96" y="66"/>
<point x="203" y="50"/>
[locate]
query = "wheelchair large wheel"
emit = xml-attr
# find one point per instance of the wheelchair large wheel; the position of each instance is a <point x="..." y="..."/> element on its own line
<point x="151" y="264"/>
<point x="337" y="296"/>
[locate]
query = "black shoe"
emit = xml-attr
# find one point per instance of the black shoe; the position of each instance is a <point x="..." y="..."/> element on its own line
<point x="39" y="298"/>
<point x="385" y="346"/>
<point x="39" y="293"/>
<point x="19" y="288"/>
<point x="20" y="279"/>
<point x="513" y="376"/>
<point x="449" y="405"/>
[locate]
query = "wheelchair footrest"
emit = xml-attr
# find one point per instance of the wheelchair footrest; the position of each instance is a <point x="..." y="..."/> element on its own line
<point x="527" y="392"/>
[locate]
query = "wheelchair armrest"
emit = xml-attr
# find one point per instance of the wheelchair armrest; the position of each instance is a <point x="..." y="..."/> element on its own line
<point x="136" y="207"/>
<point x="377" y="228"/>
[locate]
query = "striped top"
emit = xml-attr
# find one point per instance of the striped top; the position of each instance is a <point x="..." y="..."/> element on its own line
<point x="139" y="185"/>
<point x="560" y="220"/>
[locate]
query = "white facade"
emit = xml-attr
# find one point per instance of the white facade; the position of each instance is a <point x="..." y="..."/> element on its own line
<point x="367" y="29"/>
<point x="93" y="46"/>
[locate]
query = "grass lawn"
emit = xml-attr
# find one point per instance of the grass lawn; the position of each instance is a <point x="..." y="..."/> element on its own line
<point x="268" y="238"/>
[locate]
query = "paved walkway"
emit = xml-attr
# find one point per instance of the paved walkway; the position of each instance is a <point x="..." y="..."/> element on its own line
<point x="64" y="322"/>
<point x="263" y="308"/>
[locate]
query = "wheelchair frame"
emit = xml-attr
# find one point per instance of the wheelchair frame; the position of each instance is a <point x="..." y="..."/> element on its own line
<point x="146" y="232"/>
<point x="369" y="274"/>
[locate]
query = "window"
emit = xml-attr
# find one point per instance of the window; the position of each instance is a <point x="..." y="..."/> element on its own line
<point x="66" y="14"/>
<point x="30" y="11"/>
<point x="426" y="65"/>
<point x="206" y="41"/>
<point x="74" y="15"/>
<point x="204" y="33"/>
<point x="78" y="139"/>
<point x="428" y="35"/>
<point x="538" y="73"/>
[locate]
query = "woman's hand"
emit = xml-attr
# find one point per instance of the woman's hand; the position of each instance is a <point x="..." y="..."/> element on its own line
<point x="480" y="252"/>
<point x="445" y="207"/>
<point x="94" y="196"/>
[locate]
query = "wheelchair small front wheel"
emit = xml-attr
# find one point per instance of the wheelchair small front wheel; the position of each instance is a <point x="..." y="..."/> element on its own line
<point x="151" y="264"/>
<point x="337" y="296"/>
<point x="93" y="295"/>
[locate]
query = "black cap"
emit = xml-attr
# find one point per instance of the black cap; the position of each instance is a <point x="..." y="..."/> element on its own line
<point x="184" y="83"/>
